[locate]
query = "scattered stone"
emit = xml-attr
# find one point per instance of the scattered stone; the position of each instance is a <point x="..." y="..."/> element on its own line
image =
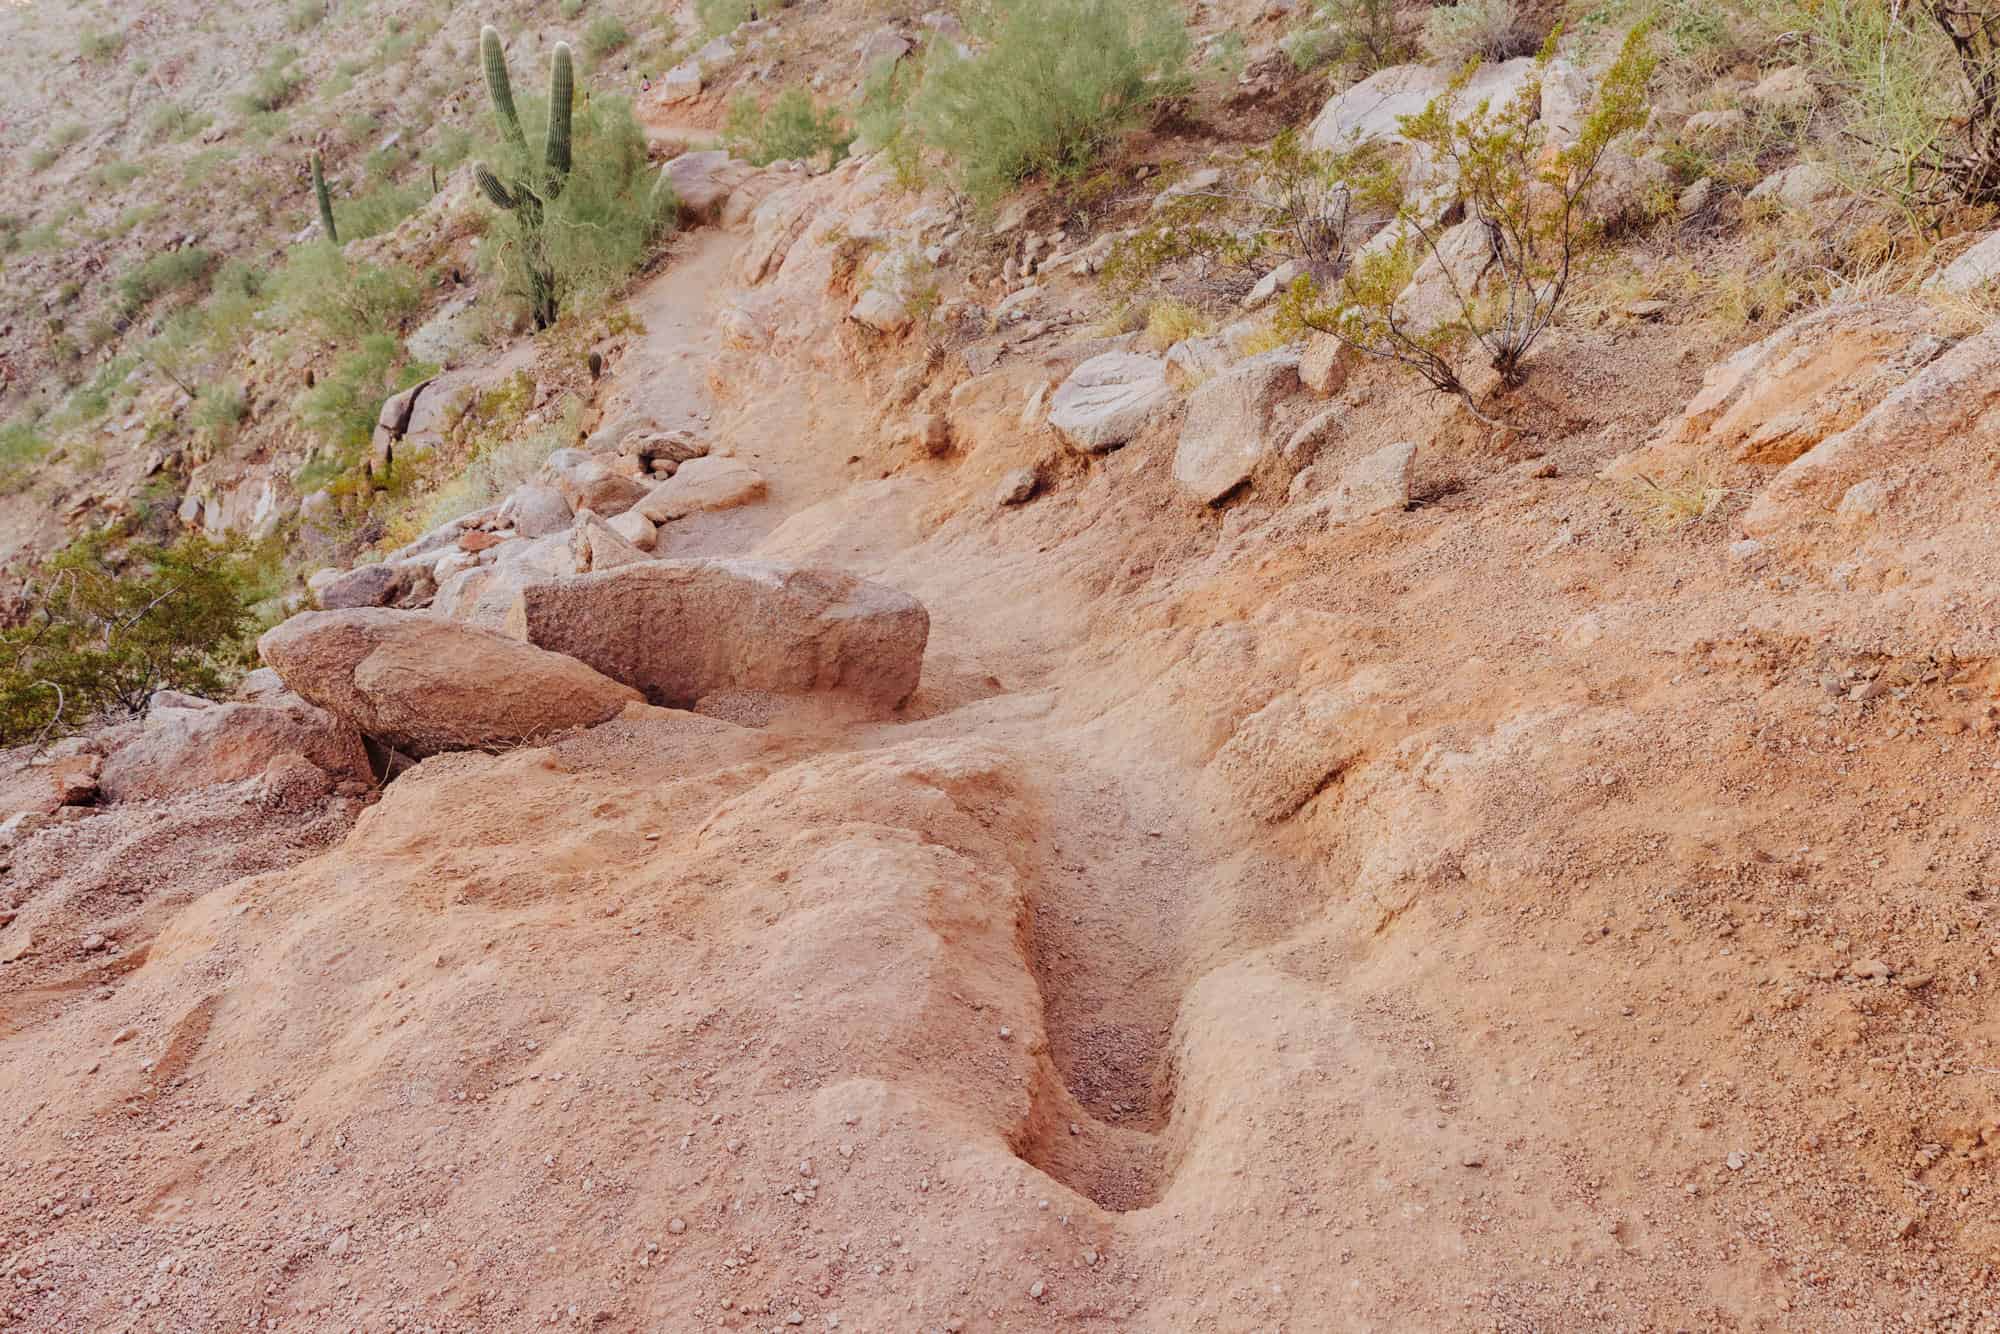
<point x="536" y="509"/>
<point x="180" y="750"/>
<point x="595" y="545"/>
<point x="635" y="528"/>
<point x="1376" y="484"/>
<point x="1711" y="127"/>
<point x="1037" y="1289"/>
<point x="677" y="1226"/>
<point x="1697" y="196"/>
<point x="1016" y="487"/>
<point x="587" y="482"/>
<point x="1325" y="364"/>
<point x="1735" y="1162"/>
<point x="711" y="483"/>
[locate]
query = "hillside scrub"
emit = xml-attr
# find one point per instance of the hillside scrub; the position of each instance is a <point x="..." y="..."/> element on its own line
<point x="1919" y="95"/>
<point x="106" y="628"/>
<point x="1056" y="80"/>
<point x="1524" y="196"/>
<point x="791" y="128"/>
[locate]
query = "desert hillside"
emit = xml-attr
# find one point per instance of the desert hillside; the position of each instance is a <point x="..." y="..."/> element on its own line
<point x="1021" y="665"/>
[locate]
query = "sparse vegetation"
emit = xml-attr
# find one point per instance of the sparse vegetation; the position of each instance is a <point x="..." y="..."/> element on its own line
<point x="272" y="86"/>
<point x="721" y="16"/>
<point x="22" y="445"/>
<point x="341" y="409"/>
<point x="1478" y="30"/>
<point x="94" y="45"/>
<point x="1054" y="82"/>
<point x="1358" y="36"/>
<point x="1523" y="208"/>
<point x="605" y="36"/>
<point x="175" y="121"/>
<point x="162" y="275"/>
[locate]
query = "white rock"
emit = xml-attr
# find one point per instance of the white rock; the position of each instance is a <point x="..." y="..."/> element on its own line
<point x="1109" y="399"/>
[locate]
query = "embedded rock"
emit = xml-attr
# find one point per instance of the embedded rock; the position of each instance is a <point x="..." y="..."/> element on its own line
<point x="680" y="630"/>
<point x="1226" y="431"/>
<point x="1108" y="400"/>
<point x="425" y="686"/>
<point x="712" y="482"/>
<point x="178" y="750"/>
<point x="587" y="482"/>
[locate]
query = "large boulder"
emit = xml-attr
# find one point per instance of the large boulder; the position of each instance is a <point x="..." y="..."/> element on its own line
<point x="683" y="629"/>
<point x="586" y="481"/>
<point x="703" y="183"/>
<point x="1972" y="271"/>
<point x="1225" y="434"/>
<point x="424" y="686"/>
<point x="710" y="483"/>
<point x="180" y="749"/>
<point x="595" y="545"/>
<point x="1447" y="278"/>
<point x="1109" y="399"/>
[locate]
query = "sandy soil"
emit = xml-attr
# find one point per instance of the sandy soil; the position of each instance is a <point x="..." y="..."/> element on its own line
<point x="1586" y="962"/>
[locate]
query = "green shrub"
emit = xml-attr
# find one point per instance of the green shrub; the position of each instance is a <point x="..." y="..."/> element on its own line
<point x="792" y="128"/>
<point x="65" y="135"/>
<point x="270" y="87"/>
<point x="93" y="45"/>
<point x="319" y="289"/>
<point x="162" y="275"/>
<point x="452" y="146"/>
<point x="1360" y="36"/>
<point x="218" y="410"/>
<point x="306" y="15"/>
<point x="1919" y="100"/>
<point x="117" y="175"/>
<point x="341" y="409"/>
<point x="571" y="8"/>
<point x="1478" y="30"/>
<point x="721" y="16"/>
<point x="177" y="121"/>
<point x="604" y="36"/>
<point x="378" y="210"/>
<point x="42" y="158"/>
<point x="203" y="165"/>
<point x="106" y="628"/>
<point x="22" y="445"/>
<point x="1056" y="81"/>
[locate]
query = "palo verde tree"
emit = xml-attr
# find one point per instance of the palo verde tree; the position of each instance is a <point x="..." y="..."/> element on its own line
<point x="578" y="214"/>
<point x="1522" y="199"/>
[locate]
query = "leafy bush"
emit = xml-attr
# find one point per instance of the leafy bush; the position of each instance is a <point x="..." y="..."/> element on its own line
<point x="792" y="128"/>
<point x="378" y="210"/>
<point x="1478" y="30"/>
<point x="218" y="410"/>
<point x="1522" y="195"/>
<point x="177" y="121"/>
<point x="272" y="86"/>
<point x="162" y="275"/>
<point x="117" y="175"/>
<point x="320" y="289"/>
<point x="1057" y="79"/>
<point x="93" y="45"/>
<point x="107" y="628"/>
<point x="604" y="36"/>
<point x="341" y="409"/>
<point x="1920" y="93"/>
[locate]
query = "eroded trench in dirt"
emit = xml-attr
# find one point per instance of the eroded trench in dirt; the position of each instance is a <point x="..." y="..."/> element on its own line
<point x="1103" y="939"/>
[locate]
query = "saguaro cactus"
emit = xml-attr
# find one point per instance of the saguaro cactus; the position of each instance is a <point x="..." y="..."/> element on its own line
<point x="529" y="194"/>
<point x="325" y="201"/>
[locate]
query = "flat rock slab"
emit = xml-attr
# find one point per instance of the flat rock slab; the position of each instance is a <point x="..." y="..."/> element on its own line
<point x="710" y="483"/>
<point x="682" y="629"/>
<point x="425" y="686"/>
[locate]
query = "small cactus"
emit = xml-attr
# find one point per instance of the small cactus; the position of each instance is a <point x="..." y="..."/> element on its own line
<point x="325" y="201"/>
<point x="596" y="366"/>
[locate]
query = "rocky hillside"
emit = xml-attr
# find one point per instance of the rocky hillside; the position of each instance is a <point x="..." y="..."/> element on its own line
<point x="1362" y="699"/>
